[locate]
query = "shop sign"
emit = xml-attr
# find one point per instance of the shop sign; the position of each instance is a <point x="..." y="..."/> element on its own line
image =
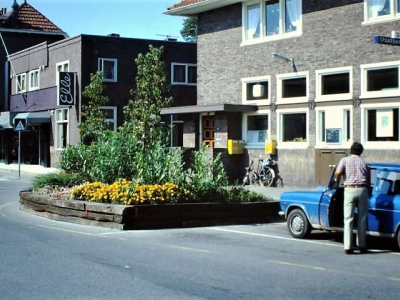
<point x="66" y="89"/>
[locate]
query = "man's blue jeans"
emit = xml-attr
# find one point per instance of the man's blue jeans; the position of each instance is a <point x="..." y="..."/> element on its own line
<point x="355" y="197"/>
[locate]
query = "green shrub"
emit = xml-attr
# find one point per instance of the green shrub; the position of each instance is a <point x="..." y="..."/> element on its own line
<point x="57" y="179"/>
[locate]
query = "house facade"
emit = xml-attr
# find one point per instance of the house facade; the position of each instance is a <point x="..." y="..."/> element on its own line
<point x="299" y="80"/>
<point x="20" y="27"/>
<point x="46" y="91"/>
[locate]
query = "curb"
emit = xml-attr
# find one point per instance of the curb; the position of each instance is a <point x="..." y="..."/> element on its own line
<point x="135" y="217"/>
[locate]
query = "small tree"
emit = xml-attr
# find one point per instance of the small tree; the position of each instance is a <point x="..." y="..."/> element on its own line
<point x="93" y="125"/>
<point x="142" y="114"/>
<point x="189" y="30"/>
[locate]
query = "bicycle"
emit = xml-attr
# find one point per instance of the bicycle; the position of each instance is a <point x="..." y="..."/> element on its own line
<point x="250" y="177"/>
<point x="266" y="173"/>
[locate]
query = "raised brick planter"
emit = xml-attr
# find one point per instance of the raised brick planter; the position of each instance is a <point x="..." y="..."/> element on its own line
<point x="131" y="217"/>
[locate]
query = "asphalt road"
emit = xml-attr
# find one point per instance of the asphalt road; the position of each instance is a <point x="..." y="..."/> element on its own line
<point x="45" y="259"/>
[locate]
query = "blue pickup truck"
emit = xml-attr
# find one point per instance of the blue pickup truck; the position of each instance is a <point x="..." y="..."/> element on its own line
<point x="322" y="208"/>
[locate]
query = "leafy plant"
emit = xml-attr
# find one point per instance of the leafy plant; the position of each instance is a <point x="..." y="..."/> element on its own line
<point x="93" y="120"/>
<point x="57" y="179"/>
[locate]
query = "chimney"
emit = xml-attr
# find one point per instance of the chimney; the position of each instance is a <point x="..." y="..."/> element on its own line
<point x="15" y="6"/>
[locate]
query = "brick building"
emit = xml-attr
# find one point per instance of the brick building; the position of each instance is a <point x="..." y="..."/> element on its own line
<point x="314" y="76"/>
<point x="21" y="27"/>
<point x="50" y="78"/>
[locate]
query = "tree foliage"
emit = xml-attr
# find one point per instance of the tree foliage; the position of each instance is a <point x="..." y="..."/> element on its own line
<point x="189" y="30"/>
<point x="142" y="114"/>
<point x="93" y="125"/>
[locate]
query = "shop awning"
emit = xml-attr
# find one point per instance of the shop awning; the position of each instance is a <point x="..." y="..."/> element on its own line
<point x="35" y="117"/>
<point x="207" y="108"/>
<point x="5" y="124"/>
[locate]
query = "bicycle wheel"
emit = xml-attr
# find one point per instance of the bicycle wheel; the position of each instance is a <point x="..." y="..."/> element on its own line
<point x="267" y="176"/>
<point x="246" y="180"/>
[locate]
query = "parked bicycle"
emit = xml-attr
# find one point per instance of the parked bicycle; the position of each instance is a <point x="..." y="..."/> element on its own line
<point x="264" y="174"/>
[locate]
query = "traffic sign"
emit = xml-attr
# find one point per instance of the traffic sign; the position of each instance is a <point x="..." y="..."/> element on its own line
<point x="20" y="124"/>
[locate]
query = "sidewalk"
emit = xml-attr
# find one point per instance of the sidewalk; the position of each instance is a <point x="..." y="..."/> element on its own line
<point x="26" y="169"/>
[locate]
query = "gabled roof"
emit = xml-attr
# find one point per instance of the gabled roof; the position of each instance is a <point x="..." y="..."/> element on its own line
<point x="190" y="8"/>
<point x="25" y="17"/>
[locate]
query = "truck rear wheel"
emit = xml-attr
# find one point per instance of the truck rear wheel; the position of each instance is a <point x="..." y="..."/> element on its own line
<point x="298" y="224"/>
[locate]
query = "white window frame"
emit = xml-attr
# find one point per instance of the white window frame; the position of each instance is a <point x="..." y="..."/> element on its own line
<point x="343" y="125"/>
<point x="344" y="96"/>
<point x="32" y="80"/>
<point x="292" y="145"/>
<point x="114" y="119"/>
<point x="20" y="83"/>
<point x="101" y="61"/>
<point x="61" y="67"/>
<point x="263" y="37"/>
<point x="260" y="145"/>
<point x="376" y="66"/>
<point x="393" y="15"/>
<point x="264" y="101"/>
<point x="59" y="123"/>
<point x="382" y="145"/>
<point x="186" y="82"/>
<point x="279" y="80"/>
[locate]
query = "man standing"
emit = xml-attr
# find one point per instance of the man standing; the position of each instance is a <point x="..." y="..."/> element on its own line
<point x="356" y="175"/>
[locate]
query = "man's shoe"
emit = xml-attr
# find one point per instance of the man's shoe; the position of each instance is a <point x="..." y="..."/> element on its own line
<point x="348" y="251"/>
<point x="363" y="250"/>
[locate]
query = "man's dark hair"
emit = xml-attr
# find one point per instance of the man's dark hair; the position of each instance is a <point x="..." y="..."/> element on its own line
<point x="356" y="149"/>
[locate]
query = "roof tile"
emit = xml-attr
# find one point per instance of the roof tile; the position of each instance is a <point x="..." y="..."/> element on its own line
<point x="184" y="3"/>
<point x="27" y="17"/>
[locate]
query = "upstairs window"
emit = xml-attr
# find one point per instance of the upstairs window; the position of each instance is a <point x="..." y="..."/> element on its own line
<point x="292" y="88"/>
<point x="380" y="80"/>
<point x="184" y="74"/>
<point x="271" y="19"/>
<point x="21" y="83"/>
<point x="377" y="10"/>
<point x="334" y="84"/>
<point x="109" y="68"/>
<point x="34" y="80"/>
<point x="256" y="90"/>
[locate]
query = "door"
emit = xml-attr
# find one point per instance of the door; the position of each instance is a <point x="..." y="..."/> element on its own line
<point x="329" y="201"/>
<point x="325" y="160"/>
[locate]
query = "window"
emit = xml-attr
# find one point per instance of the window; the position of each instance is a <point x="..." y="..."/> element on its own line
<point x="271" y="19"/>
<point x="34" y="80"/>
<point x="334" y="84"/>
<point x="21" y="83"/>
<point x="333" y="126"/>
<point x="109" y="68"/>
<point x="380" y="126"/>
<point x="62" y="66"/>
<point x="256" y="89"/>
<point x="256" y="129"/>
<point x="292" y="128"/>
<point x="377" y="10"/>
<point x="184" y="74"/>
<point x="380" y="80"/>
<point x="62" y="130"/>
<point x="292" y="87"/>
<point x="110" y="117"/>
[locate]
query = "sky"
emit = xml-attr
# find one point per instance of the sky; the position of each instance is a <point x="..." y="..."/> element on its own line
<point x="129" y="18"/>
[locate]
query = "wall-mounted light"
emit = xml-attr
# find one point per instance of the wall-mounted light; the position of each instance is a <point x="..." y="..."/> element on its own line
<point x="356" y="102"/>
<point x="273" y="107"/>
<point x="311" y="104"/>
<point x="287" y="59"/>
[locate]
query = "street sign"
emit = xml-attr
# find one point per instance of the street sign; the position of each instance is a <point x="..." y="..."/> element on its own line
<point x="20" y="124"/>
